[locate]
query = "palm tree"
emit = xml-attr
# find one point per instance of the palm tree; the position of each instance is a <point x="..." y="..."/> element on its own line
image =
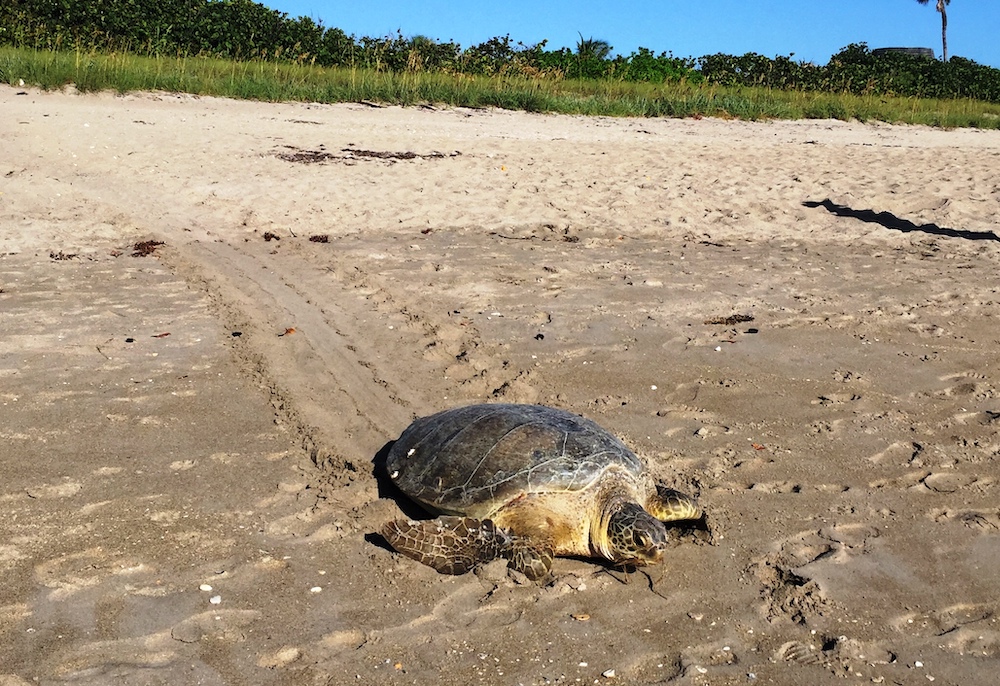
<point x="941" y="4"/>
<point x="592" y="47"/>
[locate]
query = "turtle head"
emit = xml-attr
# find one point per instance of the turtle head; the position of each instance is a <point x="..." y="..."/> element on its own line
<point x="635" y="536"/>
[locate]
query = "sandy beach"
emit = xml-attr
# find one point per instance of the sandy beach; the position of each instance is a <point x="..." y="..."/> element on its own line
<point x="797" y="322"/>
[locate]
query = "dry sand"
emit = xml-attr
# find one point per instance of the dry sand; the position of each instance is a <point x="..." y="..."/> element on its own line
<point x="846" y="441"/>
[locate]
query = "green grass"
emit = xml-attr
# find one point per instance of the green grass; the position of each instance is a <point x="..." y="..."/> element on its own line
<point x="277" y="81"/>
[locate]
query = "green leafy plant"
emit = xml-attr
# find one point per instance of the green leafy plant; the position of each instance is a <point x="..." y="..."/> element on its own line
<point x="106" y="38"/>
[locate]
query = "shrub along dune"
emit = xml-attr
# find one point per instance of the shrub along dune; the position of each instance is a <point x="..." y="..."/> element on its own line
<point x="243" y="49"/>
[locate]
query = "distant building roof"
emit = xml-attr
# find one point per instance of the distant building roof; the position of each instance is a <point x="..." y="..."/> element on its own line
<point x="919" y="52"/>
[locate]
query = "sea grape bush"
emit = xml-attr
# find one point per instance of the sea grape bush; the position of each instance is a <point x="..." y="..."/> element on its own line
<point x="238" y="29"/>
<point x="752" y="69"/>
<point x="247" y="30"/>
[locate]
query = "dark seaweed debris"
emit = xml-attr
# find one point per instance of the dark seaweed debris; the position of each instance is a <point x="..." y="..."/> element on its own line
<point x="302" y="156"/>
<point x="730" y="320"/>
<point x="145" y="248"/>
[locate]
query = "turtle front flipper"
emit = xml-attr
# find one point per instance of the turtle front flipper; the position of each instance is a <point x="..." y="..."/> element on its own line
<point x="451" y="545"/>
<point x="669" y="505"/>
<point x="531" y="560"/>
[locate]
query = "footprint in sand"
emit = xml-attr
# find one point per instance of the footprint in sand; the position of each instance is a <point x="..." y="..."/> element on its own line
<point x="280" y="658"/>
<point x="903" y="482"/>
<point x="948" y="482"/>
<point x="849" y="540"/>
<point x="958" y="376"/>
<point x="794" y="487"/>
<point x="899" y="452"/>
<point x="968" y="384"/>
<point x="928" y="329"/>
<point x="963" y="628"/>
<point x="215" y="625"/>
<point x="10" y="554"/>
<point x="984" y="520"/>
<point x="943" y="621"/>
<point x="837" y="543"/>
<point x="826" y="428"/>
<point x="845" y="376"/>
<point x="697" y="661"/>
<point x="986" y="418"/>
<point x="800" y="653"/>
<point x="65" y="489"/>
<point x="973" y="640"/>
<point x="978" y="390"/>
<point x="164" y="516"/>
<point x="455" y="614"/>
<point x="785" y="594"/>
<point x="66" y="575"/>
<point x="840" y="654"/>
<point x="787" y="590"/>
<point x="162" y="649"/>
<point x="154" y="651"/>
<point x="775" y="487"/>
<point x="848" y="650"/>
<point x="836" y="399"/>
<point x="804" y="548"/>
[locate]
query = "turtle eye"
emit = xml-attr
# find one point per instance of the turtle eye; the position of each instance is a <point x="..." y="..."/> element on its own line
<point x="641" y="540"/>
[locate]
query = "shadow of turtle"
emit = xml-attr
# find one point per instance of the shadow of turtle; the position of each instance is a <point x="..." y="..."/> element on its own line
<point x="389" y="490"/>
<point x="378" y="540"/>
<point x="699" y="531"/>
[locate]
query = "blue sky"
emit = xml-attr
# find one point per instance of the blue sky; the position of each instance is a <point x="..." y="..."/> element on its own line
<point x="811" y="29"/>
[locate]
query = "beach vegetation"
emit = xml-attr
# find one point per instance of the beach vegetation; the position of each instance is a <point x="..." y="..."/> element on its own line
<point x="240" y="48"/>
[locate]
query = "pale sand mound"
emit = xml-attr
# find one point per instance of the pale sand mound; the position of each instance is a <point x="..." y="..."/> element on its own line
<point x="845" y="440"/>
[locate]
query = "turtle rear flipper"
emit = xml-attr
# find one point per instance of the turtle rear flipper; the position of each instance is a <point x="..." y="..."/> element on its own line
<point x="669" y="505"/>
<point x="451" y="545"/>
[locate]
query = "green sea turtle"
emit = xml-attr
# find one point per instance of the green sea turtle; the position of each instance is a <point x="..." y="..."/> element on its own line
<point x="526" y="483"/>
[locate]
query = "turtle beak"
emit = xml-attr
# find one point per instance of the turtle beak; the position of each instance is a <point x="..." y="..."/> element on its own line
<point x="652" y="556"/>
<point x="650" y="546"/>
